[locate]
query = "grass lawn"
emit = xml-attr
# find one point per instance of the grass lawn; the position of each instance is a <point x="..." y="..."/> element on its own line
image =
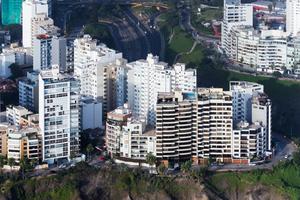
<point x="208" y="14"/>
<point x="194" y="58"/>
<point x="179" y="42"/>
<point x="285" y="179"/>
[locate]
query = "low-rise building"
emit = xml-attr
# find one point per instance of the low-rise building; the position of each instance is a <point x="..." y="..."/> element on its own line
<point x="248" y="141"/>
<point x="23" y="143"/>
<point x="14" y="115"/>
<point x="28" y="92"/>
<point x="91" y="113"/>
<point x="137" y="140"/>
<point x="116" y="119"/>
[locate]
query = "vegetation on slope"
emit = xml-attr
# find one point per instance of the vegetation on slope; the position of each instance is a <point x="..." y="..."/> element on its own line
<point x="86" y="182"/>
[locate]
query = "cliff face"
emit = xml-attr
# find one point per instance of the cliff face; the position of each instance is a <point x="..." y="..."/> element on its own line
<point x="84" y="182"/>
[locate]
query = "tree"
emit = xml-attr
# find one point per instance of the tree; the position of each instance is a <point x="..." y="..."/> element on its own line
<point x="33" y="162"/>
<point x="11" y="162"/>
<point x="89" y="149"/>
<point x="161" y="168"/>
<point x="296" y="158"/>
<point x="186" y="166"/>
<point x="2" y="161"/>
<point x="24" y="166"/>
<point x="277" y="74"/>
<point x="151" y="159"/>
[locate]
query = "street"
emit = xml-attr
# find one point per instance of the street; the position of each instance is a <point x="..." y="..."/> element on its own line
<point x="284" y="150"/>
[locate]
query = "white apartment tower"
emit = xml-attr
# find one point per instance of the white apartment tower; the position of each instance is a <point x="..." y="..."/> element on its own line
<point x="49" y="50"/>
<point x="30" y="8"/>
<point x="242" y="93"/>
<point x="95" y="66"/>
<point x="293" y="16"/>
<point x="59" y="115"/>
<point x="146" y="78"/>
<point x="235" y="13"/>
<point x="262" y="113"/>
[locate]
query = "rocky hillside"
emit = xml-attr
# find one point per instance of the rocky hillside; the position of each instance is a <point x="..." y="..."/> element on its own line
<point x="85" y="182"/>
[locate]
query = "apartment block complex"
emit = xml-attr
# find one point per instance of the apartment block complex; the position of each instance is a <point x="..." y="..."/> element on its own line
<point x="146" y="78"/>
<point x="264" y="47"/>
<point x="95" y="67"/>
<point x="208" y="124"/>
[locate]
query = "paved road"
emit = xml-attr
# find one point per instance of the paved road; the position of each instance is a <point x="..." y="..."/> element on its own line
<point x="185" y="23"/>
<point x="284" y="147"/>
<point x="131" y="37"/>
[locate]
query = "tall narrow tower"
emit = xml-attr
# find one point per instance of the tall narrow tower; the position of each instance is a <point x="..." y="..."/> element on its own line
<point x="11" y="11"/>
<point x="293" y="16"/>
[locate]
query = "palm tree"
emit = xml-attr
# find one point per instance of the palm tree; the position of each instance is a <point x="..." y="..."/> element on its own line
<point x="151" y="160"/>
<point x="186" y="166"/>
<point x="89" y="149"/>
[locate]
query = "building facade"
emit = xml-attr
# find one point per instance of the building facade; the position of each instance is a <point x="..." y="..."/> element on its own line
<point x="59" y="115"/>
<point x="293" y="16"/>
<point x="176" y="125"/>
<point x="11" y="12"/>
<point x="30" y="8"/>
<point x="115" y="121"/>
<point x="242" y="93"/>
<point x="235" y="13"/>
<point x="28" y="92"/>
<point x="49" y="50"/>
<point x="95" y="66"/>
<point x="146" y="78"/>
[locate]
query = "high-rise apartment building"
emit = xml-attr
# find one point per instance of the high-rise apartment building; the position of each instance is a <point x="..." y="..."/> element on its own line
<point x="194" y="125"/>
<point x="176" y="125"/>
<point x="262" y="113"/>
<point x="59" y="114"/>
<point x="292" y="17"/>
<point x="235" y="13"/>
<point x="95" y="66"/>
<point x="293" y="53"/>
<point x="31" y="8"/>
<point x="49" y="50"/>
<point x="146" y="78"/>
<point x="11" y="11"/>
<point x="14" y="115"/>
<point x="242" y="93"/>
<point x="214" y="125"/>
